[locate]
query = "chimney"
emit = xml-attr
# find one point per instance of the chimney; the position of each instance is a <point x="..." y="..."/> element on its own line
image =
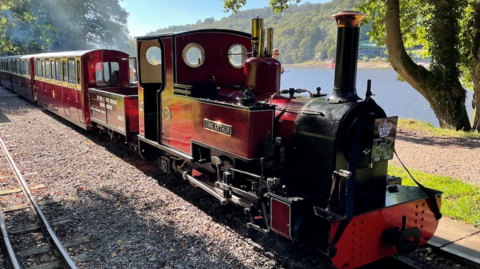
<point x="348" y="33"/>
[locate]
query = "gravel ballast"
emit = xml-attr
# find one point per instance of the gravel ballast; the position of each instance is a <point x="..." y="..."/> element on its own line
<point x="134" y="215"/>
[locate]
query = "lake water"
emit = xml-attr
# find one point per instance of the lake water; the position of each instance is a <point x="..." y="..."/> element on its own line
<point x="395" y="97"/>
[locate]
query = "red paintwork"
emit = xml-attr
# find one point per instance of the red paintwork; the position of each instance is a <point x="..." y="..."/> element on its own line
<point x="361" y="243"/>
<point x="280" y="218"/>
<point x="131" y="113"/>
<point x="262" y="75"/>
<point x="249" y="128"/>
<point x="179" y="126"/>
<point x="69" y="102"/>
<point x="286" y="112"/>
<point x="22" y="84"/>
<point x="188" y="114"/>
<point x="141" y="114"/>
<point x="216" y="65"/>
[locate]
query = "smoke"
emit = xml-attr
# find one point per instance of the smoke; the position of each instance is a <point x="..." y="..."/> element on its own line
<point x="64" y="25"/>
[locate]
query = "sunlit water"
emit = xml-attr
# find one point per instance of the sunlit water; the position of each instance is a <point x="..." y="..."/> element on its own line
<point x="396" y="98"/>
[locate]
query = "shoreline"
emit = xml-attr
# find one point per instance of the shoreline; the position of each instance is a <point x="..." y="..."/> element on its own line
<point x="360" y="64"/>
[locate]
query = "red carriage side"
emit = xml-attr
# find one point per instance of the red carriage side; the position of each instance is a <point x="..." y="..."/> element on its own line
<point x="62" y="80"/>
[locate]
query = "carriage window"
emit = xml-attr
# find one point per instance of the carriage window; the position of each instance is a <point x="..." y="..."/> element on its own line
<point x="43" y="69"/>
<point x="193" y="55"/>
<point x="37" y="68"/>
<point x="64" y="70"/>
<point x="107" y="73"/>
<point x="47" y="68"/>
<point x="58" y="71"/>
<point x="78" y="73"/>
<point x="71" y="71"/>
<point x="27" y="69"/>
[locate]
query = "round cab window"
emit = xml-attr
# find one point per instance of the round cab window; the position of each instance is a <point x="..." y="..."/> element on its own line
<point x="154" y="55"/>
<point x="193" y="55"/>
<point x="237" y="55"/>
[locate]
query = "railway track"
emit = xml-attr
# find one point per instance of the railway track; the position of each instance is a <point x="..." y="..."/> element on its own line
<point x="29" y="241"/>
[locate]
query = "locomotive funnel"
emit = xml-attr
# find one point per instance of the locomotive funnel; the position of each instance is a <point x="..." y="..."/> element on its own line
<point x="348" y="33"/>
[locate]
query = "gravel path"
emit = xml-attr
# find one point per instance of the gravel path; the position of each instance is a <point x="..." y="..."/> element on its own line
<point x="458" y="158"/>
<point x="137" y="217"/>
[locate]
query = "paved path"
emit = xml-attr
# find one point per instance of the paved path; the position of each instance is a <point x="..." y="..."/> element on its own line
<point x="453" y="157"/>
<point x="458" y="239"/>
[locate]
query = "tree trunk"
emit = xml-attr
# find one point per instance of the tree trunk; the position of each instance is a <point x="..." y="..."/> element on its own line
<point x="476" y="97"/>
<point x="446" y="96"/>
<point x="476" y="69"/>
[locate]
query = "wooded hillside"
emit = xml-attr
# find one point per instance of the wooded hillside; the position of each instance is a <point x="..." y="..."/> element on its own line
<point x="302" y="32"/>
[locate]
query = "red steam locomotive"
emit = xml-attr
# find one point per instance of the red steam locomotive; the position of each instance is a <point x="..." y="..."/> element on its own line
<point x="313" y="170"/>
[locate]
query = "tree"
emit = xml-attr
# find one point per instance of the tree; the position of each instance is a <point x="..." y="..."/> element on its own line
<point x="449" y="30"/>
<point x="277" y="5"/>
<point x="32" y="26"/>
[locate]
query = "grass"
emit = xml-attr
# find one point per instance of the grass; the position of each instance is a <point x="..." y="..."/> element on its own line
<point x="426" y="127"/>
<point x="460" y="200"/>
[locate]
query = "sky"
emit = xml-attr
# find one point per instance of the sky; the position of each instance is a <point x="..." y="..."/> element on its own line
<point x="150" y="15"/>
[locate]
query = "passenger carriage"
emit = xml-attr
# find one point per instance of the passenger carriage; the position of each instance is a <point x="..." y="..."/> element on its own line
<point x="62" y="80"/>
<point x="16" y="74"/>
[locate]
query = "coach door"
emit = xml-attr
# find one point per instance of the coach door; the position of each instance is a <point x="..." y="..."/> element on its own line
<point x="57" y="86"/>
<point x="78" y="89"/>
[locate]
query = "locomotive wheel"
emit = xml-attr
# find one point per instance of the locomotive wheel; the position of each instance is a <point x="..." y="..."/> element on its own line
<point x="303" y="231"/>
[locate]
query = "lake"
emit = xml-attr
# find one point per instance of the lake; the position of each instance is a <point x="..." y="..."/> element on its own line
<point x="395" y="97"/>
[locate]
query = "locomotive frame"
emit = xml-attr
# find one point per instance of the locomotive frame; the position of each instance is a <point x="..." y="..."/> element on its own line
<point x="313" y="170"/>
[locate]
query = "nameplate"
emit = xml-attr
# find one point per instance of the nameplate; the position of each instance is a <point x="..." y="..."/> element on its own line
<point x="217" y="127"/>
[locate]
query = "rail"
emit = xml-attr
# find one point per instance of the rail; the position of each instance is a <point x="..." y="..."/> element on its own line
<point x="45" y="226"/>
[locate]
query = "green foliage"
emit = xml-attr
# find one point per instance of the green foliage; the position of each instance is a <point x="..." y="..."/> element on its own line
<point x="303" y="32"/>
<point x="429" y="130"/>
<point x="442" y="28"/>
<point x="460" y="200"/>
<point x="31" y="26"/>
<point x="277" y="5"/>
